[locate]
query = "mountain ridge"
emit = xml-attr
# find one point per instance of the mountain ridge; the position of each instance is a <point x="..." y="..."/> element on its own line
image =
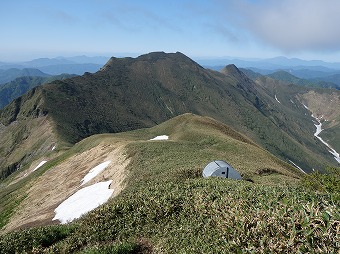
<point x="56" y="135"/>
<point x="186" y="133"/>
<point x="160" y="196"/>
<point x="133" y="93"/>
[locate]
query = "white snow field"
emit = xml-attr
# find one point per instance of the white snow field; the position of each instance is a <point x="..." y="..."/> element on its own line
<point x="277" y="99"/>
<point x="83" y="201"/>
<point x="316" y="134"/>
<point x="39" y="165"/>
<point x="297" y="166"/>
<point x="94" y="172"/>
<point x="162" y="137"/>
<point x="318" y="131"/>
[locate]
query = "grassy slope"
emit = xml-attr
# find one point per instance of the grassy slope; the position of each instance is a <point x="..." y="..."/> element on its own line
<point x="27" y="138"/>
<point x="198" y="216"/>
<point x="168" y="208"/>
<point x="200" y="139"/>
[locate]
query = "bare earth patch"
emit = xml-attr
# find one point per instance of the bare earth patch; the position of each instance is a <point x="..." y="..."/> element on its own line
<point x="326" y="106"/>
<point x="60" y="182"/>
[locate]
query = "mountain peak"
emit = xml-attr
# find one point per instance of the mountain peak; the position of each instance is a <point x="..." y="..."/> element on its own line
<point x="151" y="57"/>
<point x="155" y="56"/>
<point x="232" y="70"/>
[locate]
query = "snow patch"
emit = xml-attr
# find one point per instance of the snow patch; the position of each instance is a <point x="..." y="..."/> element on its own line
<point x="297" y="167"/>
<point x="277" y="99"/>
<point x="53" y="148"/>
<point x="292" y="101"/>
<point x="305" y="106"/>
<point x="39" y="165"/>
<point x="162" y="137"/>
<point x="318" y="128"/>
<point x="83" y="201"/>
<point x="316" y="134"/>
<point x="169" y="109"/>
<point x="94" y="172"/>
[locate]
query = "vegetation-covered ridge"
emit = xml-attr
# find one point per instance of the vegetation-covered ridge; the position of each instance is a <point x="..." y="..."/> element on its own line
<point x="193" y="142"/>
<point x="167" y="207"/>
<point x="197" y="216"/>
<point x="132" y="93"/>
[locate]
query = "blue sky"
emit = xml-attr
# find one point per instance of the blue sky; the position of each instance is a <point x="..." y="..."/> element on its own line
<point x="307" y="29"/>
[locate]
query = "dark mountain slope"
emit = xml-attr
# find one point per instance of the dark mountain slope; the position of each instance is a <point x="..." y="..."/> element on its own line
<point x="132" y="93"/>
<point x="13" y="73"/>
<point x="250" y="73"/>
<point x="289" y="78"/>
<point x="293" y="117"/>
<point x="335" y="78"/>
<point x="21" y="85"/>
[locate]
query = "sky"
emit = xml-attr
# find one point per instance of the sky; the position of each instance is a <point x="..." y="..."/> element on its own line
<point x="307" y="29"/>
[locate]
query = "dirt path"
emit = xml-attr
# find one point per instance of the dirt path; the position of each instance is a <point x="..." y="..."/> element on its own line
<point x="60" y="182"/>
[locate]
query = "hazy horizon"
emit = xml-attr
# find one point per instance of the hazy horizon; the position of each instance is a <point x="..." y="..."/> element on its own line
<point x="134" y="55"/>
<point x="305" y="29"/>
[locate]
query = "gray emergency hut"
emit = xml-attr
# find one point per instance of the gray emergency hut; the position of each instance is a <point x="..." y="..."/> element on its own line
<point x="220" y="169"/>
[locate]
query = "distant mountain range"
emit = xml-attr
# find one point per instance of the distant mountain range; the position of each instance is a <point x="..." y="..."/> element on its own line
<point x="272" y="63"/>
<point x="55" y="66"/>
<point x="330" y="82"/>
<point x="314" y="70"/>
<point x="297" y="71"/>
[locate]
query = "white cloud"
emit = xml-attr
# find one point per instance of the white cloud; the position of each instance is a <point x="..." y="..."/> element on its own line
<point x="289" y="25"/>
<point x="293" y="25"/>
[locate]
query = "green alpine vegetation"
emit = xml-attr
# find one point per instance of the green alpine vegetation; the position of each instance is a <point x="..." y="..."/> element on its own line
<point x="167" y="207"/>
